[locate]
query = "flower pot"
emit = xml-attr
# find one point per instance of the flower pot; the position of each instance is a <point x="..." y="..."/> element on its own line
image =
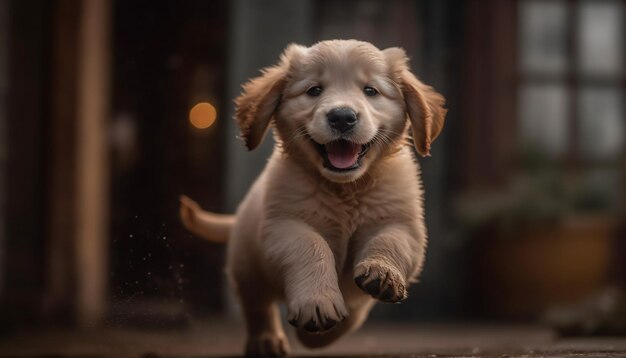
<point x="525" y="272"/>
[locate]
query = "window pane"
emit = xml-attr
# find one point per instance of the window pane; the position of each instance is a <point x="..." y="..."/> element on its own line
<point x="543" y="115"/>
<point x="542" y="36"/>
<point x="601" y="122"/>
<point x="601" y="37"/>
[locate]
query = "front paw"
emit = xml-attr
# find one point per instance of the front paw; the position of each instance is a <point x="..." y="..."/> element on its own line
<point x="317" y="313"/>
<point x="380" y="281"/>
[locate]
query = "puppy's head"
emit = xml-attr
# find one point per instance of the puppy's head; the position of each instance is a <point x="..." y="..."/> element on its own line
<point x="340" y="106"/>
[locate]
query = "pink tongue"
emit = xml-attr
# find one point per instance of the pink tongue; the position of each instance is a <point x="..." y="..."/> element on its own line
<point x="343" y="154"/>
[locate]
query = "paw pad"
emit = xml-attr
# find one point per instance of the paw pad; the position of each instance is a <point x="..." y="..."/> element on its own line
<point x="382" y="283"/>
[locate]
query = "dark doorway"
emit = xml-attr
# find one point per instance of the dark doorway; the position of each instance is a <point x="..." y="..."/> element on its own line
<point x="167" y="57"/>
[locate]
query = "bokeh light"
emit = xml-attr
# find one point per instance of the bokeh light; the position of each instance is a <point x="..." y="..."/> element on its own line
<point x="202" y="115"/>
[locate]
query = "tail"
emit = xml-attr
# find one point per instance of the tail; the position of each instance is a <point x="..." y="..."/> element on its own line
<point x="210" y="226"/>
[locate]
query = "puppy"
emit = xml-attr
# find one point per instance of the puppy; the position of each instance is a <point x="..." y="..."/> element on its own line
<point x="335" y="221"/>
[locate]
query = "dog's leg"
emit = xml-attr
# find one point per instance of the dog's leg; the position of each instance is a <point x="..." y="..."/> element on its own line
<point x="266" y="337"/>
<point x="359" y="306"/>
<point x="388" y="259"/>
<point x="302" y="259"/>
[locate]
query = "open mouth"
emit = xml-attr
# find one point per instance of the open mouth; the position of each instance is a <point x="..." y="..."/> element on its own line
<point x="342" y="155"/>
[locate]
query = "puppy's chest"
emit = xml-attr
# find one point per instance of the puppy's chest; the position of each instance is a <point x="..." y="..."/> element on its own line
<point x="339" y="216"/>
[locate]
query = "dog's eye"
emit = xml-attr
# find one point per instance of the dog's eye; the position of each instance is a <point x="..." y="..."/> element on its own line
<point x="314" y="91"/>
<point x="370" y="91"/>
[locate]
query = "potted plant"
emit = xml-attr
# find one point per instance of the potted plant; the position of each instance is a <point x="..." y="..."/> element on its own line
<point x="543" y="239"/>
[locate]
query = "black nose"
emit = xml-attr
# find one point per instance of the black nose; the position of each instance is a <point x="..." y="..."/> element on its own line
<point x="342" y="119"/>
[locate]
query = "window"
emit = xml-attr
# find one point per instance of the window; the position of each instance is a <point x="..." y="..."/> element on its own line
<point x="572" y="86"/>
<point x="571" y="94"/>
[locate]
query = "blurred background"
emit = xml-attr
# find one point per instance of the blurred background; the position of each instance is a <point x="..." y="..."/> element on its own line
<point x="525" y="190"/>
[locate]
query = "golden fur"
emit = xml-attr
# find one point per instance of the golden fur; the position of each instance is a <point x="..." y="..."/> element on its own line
<point x="327" y="242"/>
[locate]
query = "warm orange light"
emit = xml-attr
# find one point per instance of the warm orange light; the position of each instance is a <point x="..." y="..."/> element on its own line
<point x="202" y="115"/>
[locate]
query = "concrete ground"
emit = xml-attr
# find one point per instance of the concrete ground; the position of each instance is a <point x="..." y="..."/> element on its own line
<point x="215" y="339"/>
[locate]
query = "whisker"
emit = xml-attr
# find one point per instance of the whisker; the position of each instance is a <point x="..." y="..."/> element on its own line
<point x="299" y="133"/>
<point x="383" y="130"/>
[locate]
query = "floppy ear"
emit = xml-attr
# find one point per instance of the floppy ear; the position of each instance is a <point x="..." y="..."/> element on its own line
<point x="424" y="105"/>
<point x="256" y="105"/>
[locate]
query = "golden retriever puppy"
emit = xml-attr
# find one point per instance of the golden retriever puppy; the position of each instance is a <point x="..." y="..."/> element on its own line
<point x="335" y="221"/>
